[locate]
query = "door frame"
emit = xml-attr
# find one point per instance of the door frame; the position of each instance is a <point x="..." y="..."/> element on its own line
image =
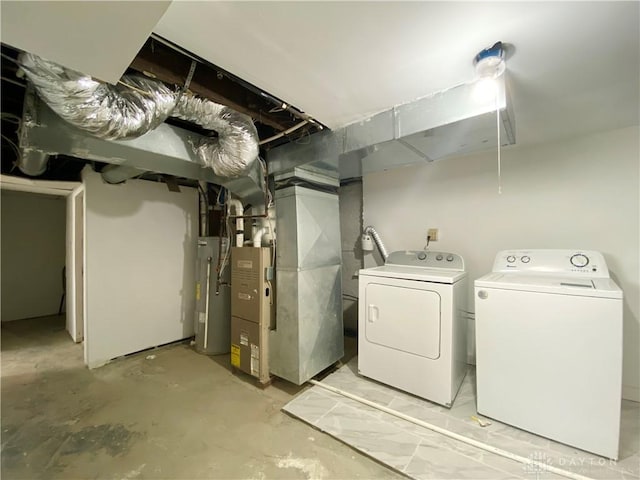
<point x="75" y="264"/>
<point x="75" y="243"/>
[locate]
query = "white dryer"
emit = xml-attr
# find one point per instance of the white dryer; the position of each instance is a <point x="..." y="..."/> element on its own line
<point x="549" y="346"/>
<point x="412" y="324"/>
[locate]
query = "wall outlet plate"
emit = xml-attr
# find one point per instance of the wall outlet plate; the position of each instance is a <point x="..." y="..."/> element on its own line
<point x="432" y="234"/>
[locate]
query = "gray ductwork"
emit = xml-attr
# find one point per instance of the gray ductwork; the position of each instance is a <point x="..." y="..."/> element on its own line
<point x="135" y="108"/>
<point x="165" y="149"/>
<point x="452" y="122"/>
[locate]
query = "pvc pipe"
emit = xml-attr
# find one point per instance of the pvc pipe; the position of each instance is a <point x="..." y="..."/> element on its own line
<point x="469" y="441"/>
<point x="237" y="205"/>
<point x="257" y="237"/>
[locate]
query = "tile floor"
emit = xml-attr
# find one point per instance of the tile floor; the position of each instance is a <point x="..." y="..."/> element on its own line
<point x="424" y="454"/>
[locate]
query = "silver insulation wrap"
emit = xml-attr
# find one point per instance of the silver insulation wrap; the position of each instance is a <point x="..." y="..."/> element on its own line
<point x="236" y="147"/>
<point x="106" y="111"/>
<point x="140" y="104"/>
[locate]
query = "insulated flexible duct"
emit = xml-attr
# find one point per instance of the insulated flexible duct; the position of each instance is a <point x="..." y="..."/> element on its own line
<point x="138" y="105"/>
<point x="237" y="144"/>
<point x="106" y="111"/>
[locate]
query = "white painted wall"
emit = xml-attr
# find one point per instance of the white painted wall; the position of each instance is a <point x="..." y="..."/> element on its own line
<point x="140" y="266"/>
<point x="580" y="193"/>
<point x="33" y="254"/>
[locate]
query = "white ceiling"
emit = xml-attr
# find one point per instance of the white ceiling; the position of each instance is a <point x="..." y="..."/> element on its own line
<point x="575" y="68"/>
<point x="99" y="38"/>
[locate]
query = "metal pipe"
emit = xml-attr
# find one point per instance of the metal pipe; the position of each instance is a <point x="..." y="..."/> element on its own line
<point x="206" y="306"/>
<point x="204" y="208"/>
<point x="33" y="162"/>
<point x="283" y="133"/>
<point x="469" y="441"/>
<point x="115" y="174"/>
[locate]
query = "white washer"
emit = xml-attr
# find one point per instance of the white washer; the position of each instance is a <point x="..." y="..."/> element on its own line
<point x="412" y="324"/>
<point x="549" y="346"/>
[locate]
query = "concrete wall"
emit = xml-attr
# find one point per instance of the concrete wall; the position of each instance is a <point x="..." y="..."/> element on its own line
<point x="140" y="266"/>
<point x="33" y="254"/>
<point x="350" y="231"/>
<point x="581" y="193"/>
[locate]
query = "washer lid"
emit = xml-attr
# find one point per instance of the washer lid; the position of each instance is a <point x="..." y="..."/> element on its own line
<point x="414" y="273"/>
<point x="559" y="284"/>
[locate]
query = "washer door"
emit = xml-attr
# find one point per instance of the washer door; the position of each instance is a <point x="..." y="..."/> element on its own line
<point x="405" y="319"/>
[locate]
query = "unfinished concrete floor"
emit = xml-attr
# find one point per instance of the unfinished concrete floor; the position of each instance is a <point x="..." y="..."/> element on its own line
<point x="179" y="415"/>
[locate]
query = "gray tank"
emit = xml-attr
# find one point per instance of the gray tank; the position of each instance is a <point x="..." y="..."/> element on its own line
<point x="212" y="312"/>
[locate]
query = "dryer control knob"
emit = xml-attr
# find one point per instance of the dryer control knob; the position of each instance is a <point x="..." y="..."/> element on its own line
<point x="449" y="258"/>
<point x="439" y="257"/>
<point x="511" y="259"/>
<point x="579" y="260"/>
<point x="525" y="259"/>
<point x="422" y="256"/>
<point x="482" y="294"/>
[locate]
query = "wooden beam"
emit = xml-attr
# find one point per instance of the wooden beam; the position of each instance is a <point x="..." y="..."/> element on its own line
<point x="169" y="66"/>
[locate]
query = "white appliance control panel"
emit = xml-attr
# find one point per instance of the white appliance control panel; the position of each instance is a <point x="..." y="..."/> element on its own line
<point x="426" y="259"/>
<point x="569" y="262"/>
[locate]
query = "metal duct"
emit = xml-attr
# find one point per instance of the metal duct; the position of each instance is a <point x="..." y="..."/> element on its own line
<point x="452" y="122"/>
<point x="33" y="162"/>
<point x="309" y="331"/>
<point x="166" y="149"/>
<point x="138" y="105"/>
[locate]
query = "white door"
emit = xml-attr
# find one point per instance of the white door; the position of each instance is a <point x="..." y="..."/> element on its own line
<point x="405" y="319"/>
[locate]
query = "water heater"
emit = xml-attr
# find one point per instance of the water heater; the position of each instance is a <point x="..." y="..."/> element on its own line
<point x="212" y="312"/>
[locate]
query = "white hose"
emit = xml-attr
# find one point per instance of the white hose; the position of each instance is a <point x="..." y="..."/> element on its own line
<point x="469" y="441"/>
<point x="376" y="238"/>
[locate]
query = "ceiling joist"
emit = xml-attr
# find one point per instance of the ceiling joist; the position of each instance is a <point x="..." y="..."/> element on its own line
<point x="165" y="64"/>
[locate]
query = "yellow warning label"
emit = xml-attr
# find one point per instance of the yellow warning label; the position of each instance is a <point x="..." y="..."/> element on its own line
<point x="235" y="355"/>
<point x="198" y="291"/>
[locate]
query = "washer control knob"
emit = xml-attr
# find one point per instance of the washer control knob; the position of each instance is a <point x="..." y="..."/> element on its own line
<point x="579" y="260"/>
<point x="422" y="256"/>
<point x="511" y="259"/>
<point x="439" y="257"/>
<point x="525" y="259"/>
<point x="449" y="258"/>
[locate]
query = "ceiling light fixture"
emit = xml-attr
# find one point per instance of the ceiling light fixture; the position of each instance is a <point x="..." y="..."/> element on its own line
<point x="490" y="64"/>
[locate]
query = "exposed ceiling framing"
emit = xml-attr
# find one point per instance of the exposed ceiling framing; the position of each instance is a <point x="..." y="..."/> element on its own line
<point x="167" y="64"/>
<point x="161" y="60"/>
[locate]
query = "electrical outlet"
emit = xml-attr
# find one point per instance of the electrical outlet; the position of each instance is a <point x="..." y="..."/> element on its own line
<point x="432" y="233"/>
